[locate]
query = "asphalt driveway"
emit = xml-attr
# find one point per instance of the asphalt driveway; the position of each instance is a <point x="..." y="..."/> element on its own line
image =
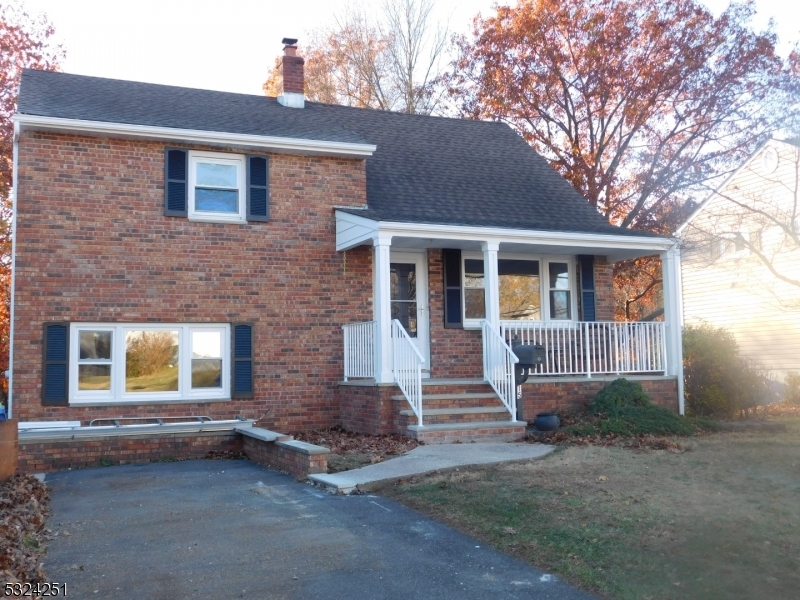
<point x="231" y="529"/>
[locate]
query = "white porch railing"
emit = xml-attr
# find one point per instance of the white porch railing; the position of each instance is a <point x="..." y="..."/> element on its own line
<point x="498" y="367"/>
<point x="359" y="350"/>
<point x="587" y="348"/>
<point x="407" y="364"/>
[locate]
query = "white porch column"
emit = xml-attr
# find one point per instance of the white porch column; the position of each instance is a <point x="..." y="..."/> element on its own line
<point x="382" y="309"/>
<point x="491" y="282"/>
<point x="673" y="316"/>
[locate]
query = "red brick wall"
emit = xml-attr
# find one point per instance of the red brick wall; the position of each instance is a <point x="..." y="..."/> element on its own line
<point x="93" y="244"/>
<point x="368" y="409"/>
<point x="571" y="396"/>
<point x="283" y="457"/>
<point x="455" y="353"/>
<point x="46" y="457"/>
<point x="604" y="288"/>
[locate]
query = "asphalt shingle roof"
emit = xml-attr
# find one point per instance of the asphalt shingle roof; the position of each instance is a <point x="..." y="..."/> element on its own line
<point x="425" y="170"/>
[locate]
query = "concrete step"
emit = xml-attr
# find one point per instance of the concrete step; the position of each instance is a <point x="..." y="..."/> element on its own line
<point x="482" y="431"/>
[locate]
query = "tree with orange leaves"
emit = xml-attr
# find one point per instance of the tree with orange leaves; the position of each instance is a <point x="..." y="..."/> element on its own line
<point x="643" y="105"/>
<point x="25" y="42"/>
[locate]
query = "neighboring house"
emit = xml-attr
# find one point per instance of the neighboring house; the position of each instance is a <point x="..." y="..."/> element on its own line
<point x="182" y="252"/>
<point x="741" y="267"/>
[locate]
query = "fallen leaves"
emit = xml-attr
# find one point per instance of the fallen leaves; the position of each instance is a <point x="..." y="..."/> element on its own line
<point x="377" y="447"/>
<point x="23" y="509"/>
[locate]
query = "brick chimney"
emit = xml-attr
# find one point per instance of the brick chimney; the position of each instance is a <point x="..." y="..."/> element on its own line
<point x="292" y="82"/>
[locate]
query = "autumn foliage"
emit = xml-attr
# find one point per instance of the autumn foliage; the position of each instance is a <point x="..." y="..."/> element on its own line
<point x="643" y="105"/>
<point x="25" y="42"/>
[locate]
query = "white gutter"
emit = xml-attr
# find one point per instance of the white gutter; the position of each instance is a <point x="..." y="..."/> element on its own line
<point x="216" y="138"/>
<point x="14" y="164"/>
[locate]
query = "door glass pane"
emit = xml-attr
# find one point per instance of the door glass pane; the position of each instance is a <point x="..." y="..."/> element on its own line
<point x="151" y="361"/>
<point x="224" y="201"/>
<point x="403" y="283"/>
<point x="216" y="175"/>
<point x="520" y="295"/>
<point x="95" y="345"/>
<point x="206" y="359"/>
<point x="94" y="377"/>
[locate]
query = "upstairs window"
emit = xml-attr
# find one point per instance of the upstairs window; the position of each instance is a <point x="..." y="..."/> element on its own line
<point x="216" y="187"/>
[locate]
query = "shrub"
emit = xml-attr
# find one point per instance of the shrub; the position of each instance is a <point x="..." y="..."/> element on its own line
<point x="640" y="420"/>
<point x="718" y="382"/>
<point x="619" y="394"/>
<point x="792" y="390"/>
<point x="623" y="408"/>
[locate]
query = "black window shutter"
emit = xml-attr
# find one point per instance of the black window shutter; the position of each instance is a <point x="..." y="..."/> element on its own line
<point x="588" y="304"/>
<point x="452" y="289"/>
<point x="55" y="377"/>
<point x="176" y="184"/>
<point x="242" y="356"/>
<point x="257" y="188"/>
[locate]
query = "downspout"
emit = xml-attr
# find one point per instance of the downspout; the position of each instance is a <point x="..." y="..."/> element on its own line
<point x="10" y="372"/>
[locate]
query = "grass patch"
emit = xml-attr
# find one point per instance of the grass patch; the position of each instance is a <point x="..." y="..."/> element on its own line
<point x="718" y="520"/>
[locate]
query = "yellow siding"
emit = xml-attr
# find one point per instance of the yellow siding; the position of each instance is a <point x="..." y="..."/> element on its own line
<point x="737" y="291"/>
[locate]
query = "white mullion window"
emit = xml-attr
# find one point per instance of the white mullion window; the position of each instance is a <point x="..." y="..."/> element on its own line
<point x="216" y="187"/>
<point x="143" y="362"/>
<point x="561" y="298"/>
<point x="93" y="368"/>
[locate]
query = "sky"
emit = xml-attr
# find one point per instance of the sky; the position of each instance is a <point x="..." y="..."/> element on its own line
<point x="231" y="45"/>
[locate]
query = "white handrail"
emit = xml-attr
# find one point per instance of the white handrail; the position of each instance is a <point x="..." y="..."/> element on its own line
<point x="359" y="350"/>
<point x="498" y="367"/>
<point x="593" y="347"/>
<point x="407" y="364"/>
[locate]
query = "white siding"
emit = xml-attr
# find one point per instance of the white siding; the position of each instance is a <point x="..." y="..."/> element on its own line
<point x="737" y="291"/>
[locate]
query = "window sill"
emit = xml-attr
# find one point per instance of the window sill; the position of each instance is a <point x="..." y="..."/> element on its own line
<point x="214" y="219"/>
<point x="147" y="402"/>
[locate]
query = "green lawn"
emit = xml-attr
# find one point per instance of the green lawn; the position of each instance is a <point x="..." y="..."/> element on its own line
<point x="719" y="520"/>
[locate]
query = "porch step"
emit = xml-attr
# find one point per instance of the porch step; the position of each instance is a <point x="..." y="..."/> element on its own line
<point x="483" y="431"/>
<point x="476" y="414"/>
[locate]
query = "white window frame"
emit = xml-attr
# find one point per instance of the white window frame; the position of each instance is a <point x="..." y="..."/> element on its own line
<point x="238" y="160"/>
<point x="544" y="283"/>
<point x="117" y="393"/>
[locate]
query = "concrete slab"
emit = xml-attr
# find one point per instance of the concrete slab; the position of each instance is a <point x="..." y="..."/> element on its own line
<point x="232" y="529"/>
<point x="424" y="459"/>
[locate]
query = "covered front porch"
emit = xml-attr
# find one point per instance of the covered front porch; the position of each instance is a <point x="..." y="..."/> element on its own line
<point x="449" y="302"/>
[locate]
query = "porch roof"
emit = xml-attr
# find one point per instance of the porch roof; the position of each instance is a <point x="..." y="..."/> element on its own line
<point x="355" y="230"/>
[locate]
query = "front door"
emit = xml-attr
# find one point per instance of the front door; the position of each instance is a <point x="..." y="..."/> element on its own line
<point x="409" y="299"/>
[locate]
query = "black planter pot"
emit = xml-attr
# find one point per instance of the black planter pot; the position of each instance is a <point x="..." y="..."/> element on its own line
<point x="546" y="421"/>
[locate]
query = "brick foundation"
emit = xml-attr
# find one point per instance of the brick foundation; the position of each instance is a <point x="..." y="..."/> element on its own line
<point x="368" y="408"/>
<point x="570" y="395"/>
<point x="289" y="456"/>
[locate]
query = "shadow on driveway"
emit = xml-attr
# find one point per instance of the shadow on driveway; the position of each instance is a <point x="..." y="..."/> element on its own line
<point x="231" y="529"/>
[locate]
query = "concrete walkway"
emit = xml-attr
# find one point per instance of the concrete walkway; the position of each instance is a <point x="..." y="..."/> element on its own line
<point x="424" y="459"/>
<point x="231" y="529"/>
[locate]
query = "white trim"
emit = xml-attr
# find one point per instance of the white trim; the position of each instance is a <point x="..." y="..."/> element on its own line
<point x="237" y="160"/>
<point x="602" y="244"/>
<point x="382" y="309"/>
<point x="116" y="393"/>
<point x="218" y="138"/>
<point x="292" y="100"/>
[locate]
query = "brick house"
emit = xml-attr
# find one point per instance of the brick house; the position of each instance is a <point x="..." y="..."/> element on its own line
<point x="183" y="253"/>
